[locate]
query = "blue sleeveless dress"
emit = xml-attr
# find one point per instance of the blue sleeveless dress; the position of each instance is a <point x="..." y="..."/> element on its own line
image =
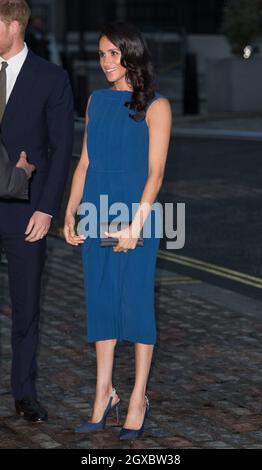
<point x="119" y="287"/>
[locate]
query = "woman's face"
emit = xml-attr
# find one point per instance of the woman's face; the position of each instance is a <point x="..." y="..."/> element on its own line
<point x="110" y="57"/>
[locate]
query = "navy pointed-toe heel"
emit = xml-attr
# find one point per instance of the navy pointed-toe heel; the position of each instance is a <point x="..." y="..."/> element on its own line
<point x="126" y="433"/>
<point x="87" y="426"/>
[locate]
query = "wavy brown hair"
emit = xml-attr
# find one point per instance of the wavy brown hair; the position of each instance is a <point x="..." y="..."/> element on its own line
<point x="136" y="58"/>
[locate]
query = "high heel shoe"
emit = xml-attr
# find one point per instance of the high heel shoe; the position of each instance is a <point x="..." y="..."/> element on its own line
<point x="126" y="433"/>
<point x="87" y="426"/>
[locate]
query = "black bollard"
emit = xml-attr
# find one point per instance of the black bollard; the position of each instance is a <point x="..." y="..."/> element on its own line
<point x="190" y="85"/>
<point x="81" y="90"/>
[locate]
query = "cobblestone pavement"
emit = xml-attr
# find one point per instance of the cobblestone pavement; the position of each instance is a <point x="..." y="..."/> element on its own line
<point x="205" y="387"/>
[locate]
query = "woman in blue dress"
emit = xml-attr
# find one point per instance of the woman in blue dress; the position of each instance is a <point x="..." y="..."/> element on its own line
<point x="123" y="157"/>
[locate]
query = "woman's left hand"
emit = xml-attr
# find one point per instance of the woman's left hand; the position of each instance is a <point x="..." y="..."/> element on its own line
<point x="126" y="239"/>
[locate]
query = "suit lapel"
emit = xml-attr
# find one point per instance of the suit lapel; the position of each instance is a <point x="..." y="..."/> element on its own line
<point x="22" y="87"/>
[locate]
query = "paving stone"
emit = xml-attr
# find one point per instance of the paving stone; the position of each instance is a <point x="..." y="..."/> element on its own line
<point x="219" y="445"/>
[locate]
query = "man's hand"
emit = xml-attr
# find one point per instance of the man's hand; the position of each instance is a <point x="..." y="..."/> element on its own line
<point x="23" y="163"/>
<point x="38" y="226"/>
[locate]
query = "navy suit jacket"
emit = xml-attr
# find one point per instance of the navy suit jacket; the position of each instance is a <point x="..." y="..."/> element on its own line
<point x="38" y="119"/>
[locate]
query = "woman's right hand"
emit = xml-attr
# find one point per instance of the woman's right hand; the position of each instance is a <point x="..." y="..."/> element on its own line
<point x="69" y="231"/>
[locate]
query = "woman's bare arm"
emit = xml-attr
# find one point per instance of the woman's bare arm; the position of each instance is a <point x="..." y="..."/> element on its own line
<point x="76" y="193"/>
<point x="159" y="121"/>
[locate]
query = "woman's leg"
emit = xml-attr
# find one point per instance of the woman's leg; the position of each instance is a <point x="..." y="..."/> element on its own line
<point x="136" y="409"/>
<point x="105" y="360"/>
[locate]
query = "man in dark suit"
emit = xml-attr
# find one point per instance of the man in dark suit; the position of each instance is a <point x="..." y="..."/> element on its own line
<point x="36" y="114"/>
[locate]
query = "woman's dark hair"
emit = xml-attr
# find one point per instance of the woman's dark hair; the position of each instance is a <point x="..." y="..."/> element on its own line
<point x="136" y="58"/>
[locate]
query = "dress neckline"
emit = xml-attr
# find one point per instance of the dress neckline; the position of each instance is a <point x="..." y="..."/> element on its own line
<point x="119" y="91"/>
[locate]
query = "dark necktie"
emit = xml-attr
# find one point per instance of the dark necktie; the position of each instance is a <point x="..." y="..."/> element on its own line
<point x="3" y="89"/>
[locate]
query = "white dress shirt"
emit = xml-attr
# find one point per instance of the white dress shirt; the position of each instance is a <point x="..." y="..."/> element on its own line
<point x="12" y="71"/>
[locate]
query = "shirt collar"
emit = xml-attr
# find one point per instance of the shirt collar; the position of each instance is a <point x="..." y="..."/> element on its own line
<point x="17" y="61"/>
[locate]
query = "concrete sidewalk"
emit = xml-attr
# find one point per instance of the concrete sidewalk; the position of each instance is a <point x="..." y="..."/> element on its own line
<point x="229" y="126"/>
<point x="204" y="389"/>
<point x="228" y="121"/>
